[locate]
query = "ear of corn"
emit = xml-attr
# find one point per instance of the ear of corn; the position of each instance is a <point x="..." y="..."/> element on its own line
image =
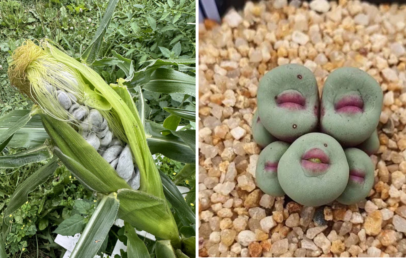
<point x="81" y="158"/>
<point x="131" y="123"/>
<point x="108" y="108"/>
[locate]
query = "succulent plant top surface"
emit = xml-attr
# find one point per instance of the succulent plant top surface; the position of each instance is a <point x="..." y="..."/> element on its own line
<point x="350" y="106"/>
<point x="288" y="101"/>
<point x="314" y="170"/>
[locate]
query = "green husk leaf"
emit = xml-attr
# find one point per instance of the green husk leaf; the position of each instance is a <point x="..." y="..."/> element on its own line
<point x="95" y="100"/>
<point x="146" y="212"/>
<point x="189" y="246"/>
<point x="83" y="157"/>
<point x="164" y="249"/>
<point x="179" y="254"/>
<point x="135" y="247"/>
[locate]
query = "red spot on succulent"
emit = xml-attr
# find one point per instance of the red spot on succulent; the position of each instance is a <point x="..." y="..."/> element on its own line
<point x="299" y="76"/>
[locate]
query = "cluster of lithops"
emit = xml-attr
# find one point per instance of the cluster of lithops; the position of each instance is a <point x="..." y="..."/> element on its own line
<point x="316" y="150"/>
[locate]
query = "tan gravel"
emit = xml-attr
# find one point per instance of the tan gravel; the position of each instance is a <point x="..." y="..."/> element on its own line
<point x="238" y="219"/>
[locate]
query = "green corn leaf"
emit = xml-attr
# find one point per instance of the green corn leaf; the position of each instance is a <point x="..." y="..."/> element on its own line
<point x="168" y="145"/>
<point x="147" y="212"/>
<point x="107" y="61"/>
<point x="173" y="195"/>
<point x="20" y="195"/>
<point x="164" y="80"/>
<point x="81" y="158"/>
<point x="30" y="135"/>
<point x="2" y="247"/>
<point x="188" y="137"/>
<point x="183" y="113"/>
<point x="189" y="246"/>
<point x="179" y="254"/>
<point x="142" y="76"/>
<point x="97" y="228"/>
<point x="187" y="173"/>
<point x="33" y="155"/>
<point x="164" y="249"/>
<point x="135" y="247"/>
<point x="91" y="52"/>
<point x="127" y="65"/>
<point x="12" y="127"/>
<point x="4" y="144"/>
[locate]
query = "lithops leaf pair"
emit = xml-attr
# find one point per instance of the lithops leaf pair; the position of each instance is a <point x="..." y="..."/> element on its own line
<point x="288" y="102"/>
<point x="350" y="106"/>
<point x="288" y="105"/>
<point x="315" y="170"/>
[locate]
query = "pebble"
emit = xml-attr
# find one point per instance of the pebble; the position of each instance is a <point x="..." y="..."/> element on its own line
<point x="309" y="245"/>
<point x="267" y="224"/>
<point x="399" y="223"/>
<point x="321" y="6"/>
<point x="255" y="249"/>
<point x="238" y="133"/>
<point x="233" y="18"/>
<point x="280" y="246"/>
<point x="361" y="19"/>
<point x="386" y="214"/>
<point x="373" y="223"/>
<point x="401" y="211"/>
<point x="245" y="237"/>
<point x="337" y="247"/>
<point x="387" y="237"/>
<point x="374" y="252"/>
<point x="390" y="75"/>
<point x="293" y="220"/>
<point x="278" y="4"/>
<point x="322" y="241"/>
<point x="312" y="232"/>
<point x="228" y="236"/>
<point x="299" y="37"/>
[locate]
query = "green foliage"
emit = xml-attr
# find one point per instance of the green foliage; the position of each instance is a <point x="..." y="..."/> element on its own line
<point x="52" y="202"/>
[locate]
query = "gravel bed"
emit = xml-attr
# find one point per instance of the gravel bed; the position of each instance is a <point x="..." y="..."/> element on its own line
<point x="236" y="219"/>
